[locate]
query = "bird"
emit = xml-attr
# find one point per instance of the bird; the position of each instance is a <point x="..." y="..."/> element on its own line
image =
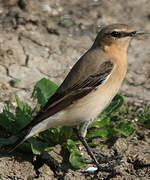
<point x="88" y="88"/>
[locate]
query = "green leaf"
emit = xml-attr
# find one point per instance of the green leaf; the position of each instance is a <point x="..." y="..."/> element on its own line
<point x="125" y="128"/>
<point x="48" y="148"/>
<point x="116" y="103"/>
<point x="145" y="122"/>
<point x="98" y="123"/>
<point x="75" y="160"/>
<point x="95" y="144"/>
<point x="40" y="97"/>
<point x="9" y="114"/>
<point x="65" y="23"/>
<point x="6" y="141"/>
<point x="14" y="123"/>
<point x="70" y="145"/>
<point x="43" y="90"/>
<point x="37" y="146"/>
<point x="66" y="133"/>
<point x="99" y="133"/>
<point x="6" y="122"/>
<point x="19" y="102"/>
<point x="22" y="118"/>
<point x="144" y="119"/>
<point x="25" y="147"/>
<point x="23" y="114"/>
<point x="51" y="136"/>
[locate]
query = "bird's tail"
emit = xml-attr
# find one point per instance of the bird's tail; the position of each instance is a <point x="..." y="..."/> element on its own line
<point x="19" y="141"/>
<point x="31" y="129"/>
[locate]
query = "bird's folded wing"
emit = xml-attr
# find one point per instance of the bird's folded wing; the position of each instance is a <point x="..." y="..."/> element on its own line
<point x="59" y="101"/>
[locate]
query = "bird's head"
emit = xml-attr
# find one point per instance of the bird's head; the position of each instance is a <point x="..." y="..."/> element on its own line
<point x="118" y="35"/>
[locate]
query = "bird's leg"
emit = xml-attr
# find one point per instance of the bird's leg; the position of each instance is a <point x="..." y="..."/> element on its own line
<point x="81" y="135"/>
<point x="83" y="130"/>
<point x="85" y="144"/>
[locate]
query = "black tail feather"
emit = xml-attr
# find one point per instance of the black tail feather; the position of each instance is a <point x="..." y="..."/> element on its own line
<point x="19" y="141"/>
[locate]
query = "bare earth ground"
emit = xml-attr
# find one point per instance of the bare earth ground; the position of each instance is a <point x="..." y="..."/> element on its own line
<point x="34" y="45"/>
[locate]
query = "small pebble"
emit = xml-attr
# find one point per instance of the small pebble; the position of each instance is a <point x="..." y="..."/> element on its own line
<point x="47" y="49"/>
<point x="140" y="111"/>
<point x="91" y="169"/>
<point x="46" y="7"/>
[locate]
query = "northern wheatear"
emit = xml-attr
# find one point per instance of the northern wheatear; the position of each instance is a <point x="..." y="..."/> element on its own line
<point x="88" y="88"/>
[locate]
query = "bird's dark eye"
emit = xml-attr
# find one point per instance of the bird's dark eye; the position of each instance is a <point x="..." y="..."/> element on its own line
<point x="116" y="34"/>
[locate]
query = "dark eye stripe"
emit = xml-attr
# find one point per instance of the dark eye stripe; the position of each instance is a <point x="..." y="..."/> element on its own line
<point x="121" y="34"/>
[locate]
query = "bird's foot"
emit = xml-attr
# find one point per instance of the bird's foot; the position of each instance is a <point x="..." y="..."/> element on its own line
<point x="105" y="159"/>
<point x="112" y="161"/>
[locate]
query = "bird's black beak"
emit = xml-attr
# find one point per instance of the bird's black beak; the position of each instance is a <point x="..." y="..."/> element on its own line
<point x="139" y="34"/>
<point x="132" y="34"/>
